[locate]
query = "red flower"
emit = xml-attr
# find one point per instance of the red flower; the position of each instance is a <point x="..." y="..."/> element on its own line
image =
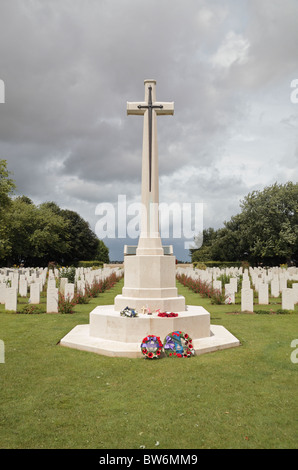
<point x="179" y="355"/>
<point x="150" y="354"/>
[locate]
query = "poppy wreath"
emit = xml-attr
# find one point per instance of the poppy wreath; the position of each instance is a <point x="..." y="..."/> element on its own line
<point x="151" y="347"/>
<point x="178" y="344"/>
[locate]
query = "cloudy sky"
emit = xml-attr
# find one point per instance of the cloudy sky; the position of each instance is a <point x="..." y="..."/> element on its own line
<point x="70" y="66"/>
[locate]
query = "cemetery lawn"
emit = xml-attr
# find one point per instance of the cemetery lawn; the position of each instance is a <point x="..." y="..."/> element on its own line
<point x="240" y="398"/>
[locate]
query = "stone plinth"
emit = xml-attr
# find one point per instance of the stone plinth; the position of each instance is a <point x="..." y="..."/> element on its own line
<point x="150" y="281"/>
<point x="105" y="323"/>
<point x="110" y="334"/>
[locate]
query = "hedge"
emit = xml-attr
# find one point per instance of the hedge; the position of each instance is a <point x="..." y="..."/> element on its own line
<point x="219" y="264"/>
<point x="89" y="264"/>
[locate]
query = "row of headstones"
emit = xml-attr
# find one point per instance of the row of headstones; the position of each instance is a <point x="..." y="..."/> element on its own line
<point x="14" y="281"/>
<point x="83" y="277"/>
<point x="19" y="284"/>
<point x="260" y="278"/>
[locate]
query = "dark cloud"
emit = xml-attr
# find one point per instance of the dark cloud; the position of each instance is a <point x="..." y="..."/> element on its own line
<point x="69" y="68"/>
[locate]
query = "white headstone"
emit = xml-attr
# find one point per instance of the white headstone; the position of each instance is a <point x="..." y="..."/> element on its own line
<point x="275" y="287"/>
<point x="217" y="285"/>
<point x="282" y="282"/>
<point x="51" y="283"/>
<point x="287" y="299"/>
<point x="233" y="282"/>
<point x="245" y="284"/>
<point x="69" y="291"/>
<point x="263" y="294"/>
<point x="52" y="300"/>
<point x="11" y="299"/>
<point x="81" y="287"/>
<point x="247" y="300"/>
<point x="2" y="293"/>
<point x="35" y="293"/>
<point x="63" y="281"/>
<point x="295" y="292"/>
<point x="23" y="287"/>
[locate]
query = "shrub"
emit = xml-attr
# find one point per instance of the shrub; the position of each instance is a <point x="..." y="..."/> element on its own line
<point x="65" y="305"/>
<point x="30" y="309"/>
<point x="218" y="297"/>
<point x="69" y="273"/>
<point x="82" y="299"/>
<point x="204" y="288"/>
<point x="279" y="311"/>
<point x="199" y="265"/>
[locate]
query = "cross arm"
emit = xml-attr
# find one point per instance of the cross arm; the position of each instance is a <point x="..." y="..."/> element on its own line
<point x="133" y="107"/>
<point x="167" y="108"/>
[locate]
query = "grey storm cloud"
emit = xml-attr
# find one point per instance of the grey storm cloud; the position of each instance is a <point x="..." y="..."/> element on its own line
<point x="69" y="68"/>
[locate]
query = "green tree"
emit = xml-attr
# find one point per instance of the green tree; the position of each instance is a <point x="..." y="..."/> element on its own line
<point x="82" y="240"/>
<point x="266" y="230"/>
<point x="269" y="225"/>
<point x="204" y="242"/>
<point x="102" y="253"/>
<point x="7" y="187"/>
<point x="37" y="235"/>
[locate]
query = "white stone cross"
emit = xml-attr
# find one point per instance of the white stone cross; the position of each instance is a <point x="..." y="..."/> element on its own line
<point x="150" y="108"/>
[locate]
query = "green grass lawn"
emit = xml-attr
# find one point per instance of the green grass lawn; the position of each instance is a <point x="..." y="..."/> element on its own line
<point x="56" y="397"/>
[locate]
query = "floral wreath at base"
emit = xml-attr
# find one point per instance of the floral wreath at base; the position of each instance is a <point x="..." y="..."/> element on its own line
<point x="128" y="312"/>
<point x="151" y="347"/>
<point x="178" y="344"/>
<point x="166" y="314"/>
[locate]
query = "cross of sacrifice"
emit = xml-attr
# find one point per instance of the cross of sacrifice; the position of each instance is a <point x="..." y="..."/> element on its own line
<point x="150" y="108"/>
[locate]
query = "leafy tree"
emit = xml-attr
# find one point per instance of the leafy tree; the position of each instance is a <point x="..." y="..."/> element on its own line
<point x="265" y="231"/>
<point x="102" y="253"/>
<point x="7" y="187"/>
<point x="83" y="242"/>
<point x="37" y="235"/>
<point x="269" y="224"/>
<point x="204" y="253"/>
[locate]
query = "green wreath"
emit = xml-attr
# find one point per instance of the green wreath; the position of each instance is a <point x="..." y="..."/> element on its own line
<point x="178" y="344"/>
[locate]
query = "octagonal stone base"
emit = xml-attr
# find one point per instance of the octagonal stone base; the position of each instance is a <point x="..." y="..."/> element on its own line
<point x="110" y="334"/>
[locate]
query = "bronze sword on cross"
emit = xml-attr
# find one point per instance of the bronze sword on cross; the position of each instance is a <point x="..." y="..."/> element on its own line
<point x="160" y="108"/>
<point x="150" y="106"/>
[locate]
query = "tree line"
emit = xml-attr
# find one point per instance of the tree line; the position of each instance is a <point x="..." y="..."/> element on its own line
<point x="35" y="235"/>
<point x="264" y="232"/>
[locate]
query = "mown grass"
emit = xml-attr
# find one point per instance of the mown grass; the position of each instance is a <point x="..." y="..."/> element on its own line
<point x="55" y="397"/>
